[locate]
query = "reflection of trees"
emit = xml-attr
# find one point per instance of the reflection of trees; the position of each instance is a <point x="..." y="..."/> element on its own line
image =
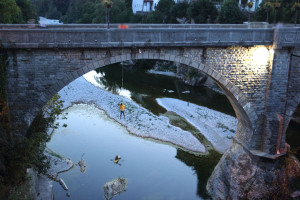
<point x="202" y="165"/>
<point x="152" y="85"/>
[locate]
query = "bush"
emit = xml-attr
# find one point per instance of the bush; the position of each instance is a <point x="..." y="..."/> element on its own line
<point x="230" y="13"/>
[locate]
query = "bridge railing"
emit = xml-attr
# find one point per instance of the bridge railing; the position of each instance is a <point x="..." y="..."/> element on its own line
<point x="142" y="26"/>
<point x="135" y="26"/>
<point x="142" y="35"/>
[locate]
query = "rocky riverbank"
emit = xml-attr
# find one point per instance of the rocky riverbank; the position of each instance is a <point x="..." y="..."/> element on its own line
<point x="139" y="121"/>
<point x="241" y="175"/>
<point x="218" y="128"/>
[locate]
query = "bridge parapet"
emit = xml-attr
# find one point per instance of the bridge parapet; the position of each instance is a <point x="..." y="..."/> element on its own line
<point x="96" y="36"/>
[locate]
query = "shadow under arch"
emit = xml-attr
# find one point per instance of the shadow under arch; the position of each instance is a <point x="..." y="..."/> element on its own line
<point x="291" y="131"/>
<point x="237" y="99"/>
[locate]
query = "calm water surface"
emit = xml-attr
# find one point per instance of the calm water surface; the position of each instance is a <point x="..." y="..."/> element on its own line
<point x="154" y="171"/>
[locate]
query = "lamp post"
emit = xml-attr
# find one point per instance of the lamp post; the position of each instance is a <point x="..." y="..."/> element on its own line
<point x="276" y="5"/>
<point x="108" y="4"/>
<point x="268" y="5"/>
<point x="250" y="5"/>
<point x="297" y="8"/>
<point x="243" y="2"/>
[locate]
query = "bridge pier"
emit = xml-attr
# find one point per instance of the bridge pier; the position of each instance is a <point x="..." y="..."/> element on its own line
<point x="268" y="137"/>
<point x="242" y="175"/>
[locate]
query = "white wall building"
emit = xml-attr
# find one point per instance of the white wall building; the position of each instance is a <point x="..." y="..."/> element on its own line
<point x="255" y="5"/>
<point x="143" y="6"/>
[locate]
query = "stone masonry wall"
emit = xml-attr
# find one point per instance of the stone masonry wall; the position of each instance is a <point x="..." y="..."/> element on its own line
<point x="35" y="75"/>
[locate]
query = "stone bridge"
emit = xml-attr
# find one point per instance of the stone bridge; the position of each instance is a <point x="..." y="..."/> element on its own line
<point x="257" y="66"/>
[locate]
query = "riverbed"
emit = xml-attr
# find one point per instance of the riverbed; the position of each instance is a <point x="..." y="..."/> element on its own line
<point x="153" y="170"/>
<point x="169" y="160"/>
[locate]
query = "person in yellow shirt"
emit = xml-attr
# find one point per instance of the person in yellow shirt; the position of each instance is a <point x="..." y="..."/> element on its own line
<point x="122" y="109"/>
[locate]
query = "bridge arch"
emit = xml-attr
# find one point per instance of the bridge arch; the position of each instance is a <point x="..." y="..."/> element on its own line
<point x="237" y="99"/>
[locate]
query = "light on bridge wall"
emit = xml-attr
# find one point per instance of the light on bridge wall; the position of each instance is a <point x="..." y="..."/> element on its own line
<point x="261" y="56"/>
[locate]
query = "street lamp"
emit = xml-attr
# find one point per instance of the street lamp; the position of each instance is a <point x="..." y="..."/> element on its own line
<point x="250" y="5"/>
<point x="296" y="7"/>
<point x="108" y="4"/>
<point x="268" y="6"/>
<point x="276" y="5"/>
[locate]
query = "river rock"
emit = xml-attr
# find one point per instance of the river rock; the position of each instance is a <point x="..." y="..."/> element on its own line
<point x="114" y="187"/>
<point x="190" y="76"/>
<point x="58" y="165"/>
<point x="82" y="164"/>
<point x="63" y="184"/>
<point x="241" y="175"/>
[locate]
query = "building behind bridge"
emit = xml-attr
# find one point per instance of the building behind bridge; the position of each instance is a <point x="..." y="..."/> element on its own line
<point x="145" y="6"/>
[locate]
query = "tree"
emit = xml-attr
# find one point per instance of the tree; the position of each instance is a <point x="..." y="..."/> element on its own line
<point x="61" y="5"/>
<point x="27" y="10"/>
<point x="264" y="12"/>
<point x="179" y="10"/>
<point x="244" y="2"/>
<point x="230" y="13"/>
<point x="202" y="11"/>
<point x="163" y="11"/>
<point x="120" y="13"/>
<point x="87" y="12"/>
<point x="9" y="12"/>
<point x="296" y="7"/>
<point x="285" y="12"/>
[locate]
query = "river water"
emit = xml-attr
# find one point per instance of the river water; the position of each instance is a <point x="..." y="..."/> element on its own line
<point x="154" y="170"/>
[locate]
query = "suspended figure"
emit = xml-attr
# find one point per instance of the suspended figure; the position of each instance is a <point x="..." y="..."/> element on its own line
<point x="122" y="110"/>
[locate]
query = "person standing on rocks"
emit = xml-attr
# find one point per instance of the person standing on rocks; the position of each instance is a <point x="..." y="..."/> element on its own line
<point x="122" y="109"/>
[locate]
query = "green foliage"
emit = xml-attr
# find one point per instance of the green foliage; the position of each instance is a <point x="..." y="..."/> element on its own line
<point x="22" y="191"/>
<point x="163" y="9"/>
<point x="18" y="154"/>
<point x="88" y="13"/>
<point x="9" y="12"/>
<point x="16" y="11"/>
<point x="53" y="9"/>
<point x="264" y="10"/>
<point x="286" y="13"/>
<point x="244" y="2"/>
<point x="74" y="11"/>
<point x="179" y="10"/>
<point x="27" y="10"/>
<point x="202" y="11"/>
<point x="230" y="13"/>
<point x="119" y="13"/>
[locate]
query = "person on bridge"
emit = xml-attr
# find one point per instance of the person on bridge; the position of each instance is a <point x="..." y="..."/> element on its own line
<point x="122" y="109"/>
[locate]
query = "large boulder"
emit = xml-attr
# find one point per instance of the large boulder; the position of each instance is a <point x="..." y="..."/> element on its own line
<point x="240" y="175"/>
<point x="114" y="187"/>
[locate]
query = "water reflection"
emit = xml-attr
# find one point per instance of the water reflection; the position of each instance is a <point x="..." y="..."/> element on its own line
<point x="153" y="170"/>
<point x="145" y="88"/>
<point x="97" y="79"/>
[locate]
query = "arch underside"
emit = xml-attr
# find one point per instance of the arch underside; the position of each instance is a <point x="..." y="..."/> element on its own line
<point x="237" y="99"/>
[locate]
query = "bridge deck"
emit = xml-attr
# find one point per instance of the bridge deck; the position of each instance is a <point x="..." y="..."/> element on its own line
<point x="143" y="35"/>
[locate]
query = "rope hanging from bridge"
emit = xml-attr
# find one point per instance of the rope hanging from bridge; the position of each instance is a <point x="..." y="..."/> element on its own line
<point x="122" y="63"/>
